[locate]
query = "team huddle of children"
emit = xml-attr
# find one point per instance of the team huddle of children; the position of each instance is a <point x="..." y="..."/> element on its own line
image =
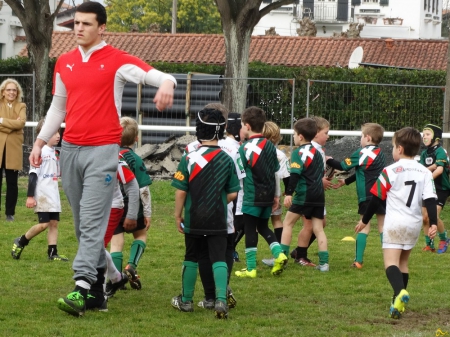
<point x="226" y="187"/>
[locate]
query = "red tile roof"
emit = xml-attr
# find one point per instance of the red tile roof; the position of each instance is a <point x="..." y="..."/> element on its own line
<point x="275" y="50"/>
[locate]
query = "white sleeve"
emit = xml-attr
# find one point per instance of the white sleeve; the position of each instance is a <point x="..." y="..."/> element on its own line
<point x="156" y="78"/>
<point x="56" y="113"/>
<point x="277" y="185"/>
<point x="146" y="199"/>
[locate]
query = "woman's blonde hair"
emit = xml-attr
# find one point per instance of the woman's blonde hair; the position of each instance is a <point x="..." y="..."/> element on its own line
<point x="271" y="131"/>
<point x="19" y="96"/>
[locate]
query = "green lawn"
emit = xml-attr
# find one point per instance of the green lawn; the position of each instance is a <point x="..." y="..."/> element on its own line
<point x="300" y="302"/>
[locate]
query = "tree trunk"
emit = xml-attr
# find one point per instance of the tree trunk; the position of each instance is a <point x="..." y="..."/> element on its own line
<point x="238" y="20"/>
<point x="237" y="44"/>
<point x="37" y="22"/>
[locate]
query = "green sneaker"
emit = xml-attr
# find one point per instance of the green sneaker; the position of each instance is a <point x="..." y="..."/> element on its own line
<point x="279" y="263"/>
<point x="73" y="304"/>
<point x="16" y="249"/>
<point x="58" y="258"/>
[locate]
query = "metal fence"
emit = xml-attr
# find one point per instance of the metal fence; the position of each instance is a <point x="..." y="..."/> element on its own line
<point x="348" y="105"/>
<point x="274" y="96"/>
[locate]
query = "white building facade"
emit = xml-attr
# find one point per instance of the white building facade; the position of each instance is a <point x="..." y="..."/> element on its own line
<point x="396" y="19"/>
<point x="12" y="35"/>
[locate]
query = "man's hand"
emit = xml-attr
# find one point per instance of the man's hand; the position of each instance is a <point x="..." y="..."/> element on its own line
<point x="129" y="224"/>
<point x="35" y="155"/>
<point x="164" y="96"/>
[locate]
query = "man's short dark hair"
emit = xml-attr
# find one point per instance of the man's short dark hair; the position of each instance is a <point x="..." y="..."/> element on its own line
<point x="96" y="8"/>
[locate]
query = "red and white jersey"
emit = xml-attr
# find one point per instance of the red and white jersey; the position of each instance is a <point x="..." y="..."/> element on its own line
<point x="93" y="84"/>
<point x="124" y="176"/>
<point x="47" y="189"/>
<point x="403" y="185"/>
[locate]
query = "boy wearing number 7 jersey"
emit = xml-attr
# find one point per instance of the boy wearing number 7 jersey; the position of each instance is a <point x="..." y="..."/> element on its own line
<point x="403" y="185"/>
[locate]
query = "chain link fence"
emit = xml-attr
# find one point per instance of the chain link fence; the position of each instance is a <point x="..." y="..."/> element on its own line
<point x="348" y="105"/>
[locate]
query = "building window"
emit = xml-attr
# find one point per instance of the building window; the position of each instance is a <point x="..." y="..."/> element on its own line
<point x="429" y="5"/>
<point x="356" y="2"/>
<point x="1" y="51"/>
<point x="432" y="8"/>
<point x="384" y="2"/>
<point x="376" y="1"/>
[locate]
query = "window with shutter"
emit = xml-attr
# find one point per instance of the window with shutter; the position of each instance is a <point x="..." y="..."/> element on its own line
<point x="356" y="2"/>
<point x="384" y="2"/>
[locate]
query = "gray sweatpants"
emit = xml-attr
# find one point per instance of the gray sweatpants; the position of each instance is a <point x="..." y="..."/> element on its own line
<point x="88" y="175"/>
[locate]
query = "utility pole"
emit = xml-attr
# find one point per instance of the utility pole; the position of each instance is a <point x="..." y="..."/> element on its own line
<point x="174" y="16"/>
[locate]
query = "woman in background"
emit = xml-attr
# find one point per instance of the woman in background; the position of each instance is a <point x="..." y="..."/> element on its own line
<point x="12" y="121"/>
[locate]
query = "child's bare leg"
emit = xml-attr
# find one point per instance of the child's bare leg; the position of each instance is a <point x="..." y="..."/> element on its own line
<point x="35" y="230"/>
<point x="52" y="234"/>
<point x="288" y="224"/>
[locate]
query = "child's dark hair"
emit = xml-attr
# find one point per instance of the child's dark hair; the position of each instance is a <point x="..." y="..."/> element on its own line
<point x="307" y="127"/>
<point x="255" y="117"/>
<point x="374" y="130"/>
<point x="408" y="138"/>
<point x="210" y="125"/>
<point x="96" y="8"/>
<point x="39" y="126"/>
<point x="130" y="130"/>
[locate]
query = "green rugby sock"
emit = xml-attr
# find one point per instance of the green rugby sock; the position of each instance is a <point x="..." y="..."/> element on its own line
<point x="443" y="236"/>
<point x="250" y="255"/>
<point x="136" y="251"/>
<point x="361" y="242"/>
<point x="285" y="249"/>
<point x="189" y="277"/>
<point x="276" y="249"/>
<point x="220" y="271"/>
<point x="323" y="257"/>
<point x="117" y="258"/>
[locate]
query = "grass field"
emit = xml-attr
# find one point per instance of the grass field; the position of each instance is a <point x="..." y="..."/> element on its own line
<point x="300" y="302"/>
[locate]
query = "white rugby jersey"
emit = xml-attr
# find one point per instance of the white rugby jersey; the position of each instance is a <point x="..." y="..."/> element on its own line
<point x="403" y="185"/>
<point x="47" y="191"/>
<point x="283" y="172"/>
<point x="231" y="147"/>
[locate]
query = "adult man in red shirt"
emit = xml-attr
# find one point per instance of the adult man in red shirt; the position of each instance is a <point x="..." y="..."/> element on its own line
<point x="87" y="91"/>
